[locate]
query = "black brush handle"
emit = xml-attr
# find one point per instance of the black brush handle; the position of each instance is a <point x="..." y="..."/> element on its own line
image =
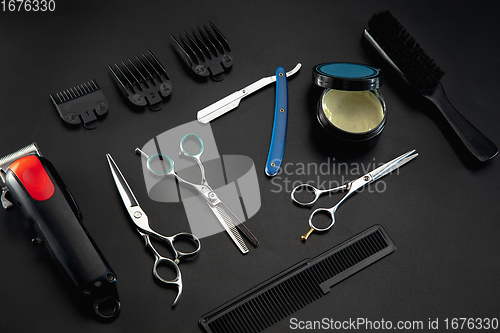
<point x="475" y="141"/>
<point x="39" y="191"/>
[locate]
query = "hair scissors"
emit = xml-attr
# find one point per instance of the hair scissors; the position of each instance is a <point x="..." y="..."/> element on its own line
<point x="351" y="187"/>
<point x="226" y="217"/>
<point x="141" y="222"/>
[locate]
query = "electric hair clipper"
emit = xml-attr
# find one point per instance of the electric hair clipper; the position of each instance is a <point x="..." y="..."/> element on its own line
<point x="33" y="184"/>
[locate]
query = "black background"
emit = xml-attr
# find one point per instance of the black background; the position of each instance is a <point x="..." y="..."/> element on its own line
<point x="442" y="214"/>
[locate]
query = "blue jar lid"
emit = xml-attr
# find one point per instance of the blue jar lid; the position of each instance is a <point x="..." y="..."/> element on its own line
<point x="347" y="76"/>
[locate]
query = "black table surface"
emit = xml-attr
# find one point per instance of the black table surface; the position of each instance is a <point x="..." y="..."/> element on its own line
<point x="442" y="213"/>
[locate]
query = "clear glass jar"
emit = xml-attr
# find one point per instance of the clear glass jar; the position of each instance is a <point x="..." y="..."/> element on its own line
<point x="351" y="113"/>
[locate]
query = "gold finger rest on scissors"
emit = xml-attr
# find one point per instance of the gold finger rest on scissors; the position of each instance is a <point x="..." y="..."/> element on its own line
<point x="141" y="222"/>
<point x="351" y="187"/>
<point x="229" y="221"/>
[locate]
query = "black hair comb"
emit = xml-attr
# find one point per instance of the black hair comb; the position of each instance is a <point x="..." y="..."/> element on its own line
<point x="146" y="83"/>
<point x="81" y="102"/>
<point x="298" y="286"/>
<point x="206" y="52"/>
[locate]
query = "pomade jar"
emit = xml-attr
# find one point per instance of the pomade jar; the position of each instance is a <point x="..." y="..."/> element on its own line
<point x="351" y="114"/>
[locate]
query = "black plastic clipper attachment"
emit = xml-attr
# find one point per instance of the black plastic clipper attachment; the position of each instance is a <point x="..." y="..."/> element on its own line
<point x="207" y="52"/>
<point x="84" y="102"/>
<point x="143" y="82"/>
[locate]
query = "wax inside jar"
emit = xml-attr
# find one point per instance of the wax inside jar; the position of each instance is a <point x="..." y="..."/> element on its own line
<point x="353" y="111"/>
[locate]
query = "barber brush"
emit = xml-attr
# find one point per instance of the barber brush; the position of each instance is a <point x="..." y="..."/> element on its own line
<point x="395" y="44"/>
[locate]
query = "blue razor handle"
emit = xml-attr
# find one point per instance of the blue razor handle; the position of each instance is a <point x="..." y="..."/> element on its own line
<point x="278" y="138"/>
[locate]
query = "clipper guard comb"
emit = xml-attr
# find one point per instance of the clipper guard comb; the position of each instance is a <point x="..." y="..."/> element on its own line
<point x="82" y="102"/>
<point x="206" y="52"/>
<point x="146" y="83"/>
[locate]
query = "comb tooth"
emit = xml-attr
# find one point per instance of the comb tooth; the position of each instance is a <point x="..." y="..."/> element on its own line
<point x="146" y="68"/>
<point x="117" y="78"/>
<point x="243" y="320"/>
<point x="91" y="89"/>
<point x="209" y="35"/>
<point x="76" y="92"/>
<point x="138" y="71"/>
<point x="233" y="323"/>
<point x="219" y="327"/>
<point x="66" y="95"/>
<point x="85" y="88"/>
<point x="200" y="55"/>
<point x="158" y="63"/>
<point x="221" y="38"/>
<point x="153" y="67"/>
<point x="299" y="298"/>
<point x="287" y="302"/>
<point x="126" y="78"/>
<point x="252" y="318"/>
<point x="275" y="304"/>
<point x="189" y="58"/>
<point x="256" y="308"/>
<point x="61" y="98"/>
<point x="322" y="271"/>
<point x="268" y="306"/>
<point x="201" y="43"/>
<point x="82" y="91"/>
<point x="362" y="248"/>
<point x="132" y="74"/>
<point x="94" y="85"/>
<point x="53" y="100"/>
<point x="266" y="314"/>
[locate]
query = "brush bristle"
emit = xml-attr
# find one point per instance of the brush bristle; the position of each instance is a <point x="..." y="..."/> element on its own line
<point x="405" y="52"/>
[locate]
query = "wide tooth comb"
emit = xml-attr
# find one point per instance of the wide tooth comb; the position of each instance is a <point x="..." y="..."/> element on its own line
<point x="207" y="51"/>
<point x="81" y="102"/>
<point x="145" y="82"/>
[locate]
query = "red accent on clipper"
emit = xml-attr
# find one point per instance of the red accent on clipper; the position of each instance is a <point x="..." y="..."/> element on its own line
<point x="33" y="176"/>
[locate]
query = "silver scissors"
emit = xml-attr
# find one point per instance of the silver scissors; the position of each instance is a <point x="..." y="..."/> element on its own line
<point x="141" y="222"/>
<point x="351" y="187"/>
<point x="226" y="217"/>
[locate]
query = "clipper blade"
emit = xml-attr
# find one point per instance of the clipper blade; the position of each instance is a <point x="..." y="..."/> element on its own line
<point x="6" y="161"/>
<point x="206" y="52"/>
<point x="81" y="102"/>
<point x="146" y="83"/>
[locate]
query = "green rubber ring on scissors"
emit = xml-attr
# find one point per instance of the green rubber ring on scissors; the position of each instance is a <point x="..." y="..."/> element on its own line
<point x="160" y="156"/>
<point x="199" y="139"/>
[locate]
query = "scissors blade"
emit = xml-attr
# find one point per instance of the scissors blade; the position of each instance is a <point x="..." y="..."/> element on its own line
<point x="390" y="166"/>
<point x="232" y="101"/>
<point x="135" y="211"/>
<point x="230" y="227"/>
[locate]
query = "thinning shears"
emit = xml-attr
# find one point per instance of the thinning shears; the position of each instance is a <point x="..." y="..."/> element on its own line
<point x="226" y="217"/>
<point x="351" y="187"/>
<point x="142" y="224"/>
